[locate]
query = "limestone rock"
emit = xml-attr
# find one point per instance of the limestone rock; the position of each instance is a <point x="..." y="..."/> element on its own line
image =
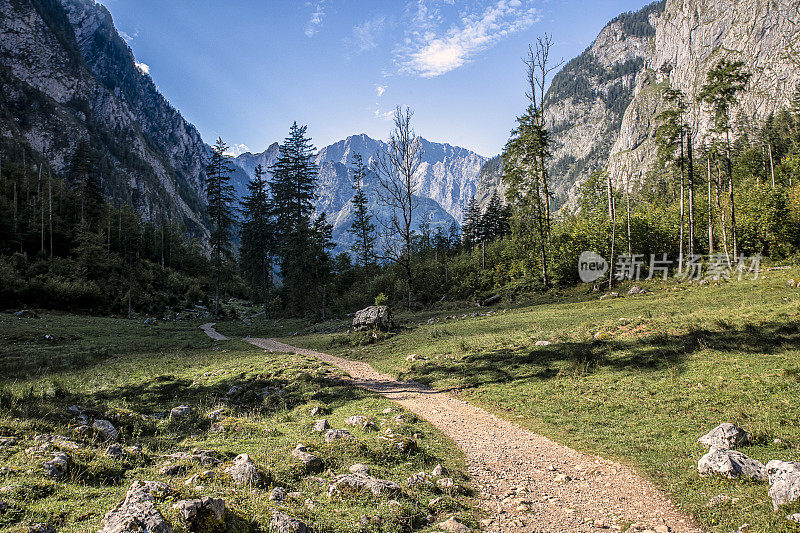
<point x="244" y="471"/>
<point x="374" y="317"/>
<point x="784" y="479"/>
<point x="202" y="514"/>
<point x="725" y="436"/>
<point x="311" y="461"/>
<point x="453" y="525"/>
<point x="57" y="466"/>
<point x="277" y="495"/>
<point x="359" y="483"/>
<point x="137" y="513"/>
<point x="359" y="468"/>
<point x="731" y="464"/>
<point x="106" y="430"/>
<point x="336" y="434"/>
<point x="321" y="426"/>
<point x="181" y="411"/>
<point x="283" y="523"/>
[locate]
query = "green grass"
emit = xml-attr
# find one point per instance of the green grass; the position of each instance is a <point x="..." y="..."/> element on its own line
<point x="637" y="379"/>
<point x="132" y="374"/>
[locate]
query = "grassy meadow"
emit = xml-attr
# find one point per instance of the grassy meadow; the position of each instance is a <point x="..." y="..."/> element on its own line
<point x="636" y="378"/>
<point x="133" y="374"/>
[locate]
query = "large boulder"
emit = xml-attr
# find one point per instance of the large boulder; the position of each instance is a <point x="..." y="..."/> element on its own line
<point x="374" y="317"/>
<point x="137" y="513"/>
<point x="784" y="480"/>
<point x="725" y="436"/>
<point x="731" y="464"/>
<point x="106" y="430"/>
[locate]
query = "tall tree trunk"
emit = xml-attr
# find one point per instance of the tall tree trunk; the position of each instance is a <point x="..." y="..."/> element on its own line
<point x="722" y="219"/>
<point x="690" y="161"/>
<point x="710" y="210"/>
<point x="628" y="212"/>
<point x="771" y="164"/>
<point x="612" y="216"/>
<point x="730" y="190"/>
<point x="50" y="210"/>
<point x="682" y="208"/>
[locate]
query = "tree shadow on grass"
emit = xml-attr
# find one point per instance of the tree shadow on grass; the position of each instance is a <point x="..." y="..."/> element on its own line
<point x="652" y="353"/>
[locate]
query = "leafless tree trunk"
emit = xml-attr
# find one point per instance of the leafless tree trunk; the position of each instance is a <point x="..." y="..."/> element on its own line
<point x="710" y="209"/>
<point x="612" y="216"/>
<point x="690" y="163"/>
<point x="396" y="168"/>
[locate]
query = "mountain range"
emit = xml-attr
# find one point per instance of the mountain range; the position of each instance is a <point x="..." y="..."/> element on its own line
<point x="66" y="75"/>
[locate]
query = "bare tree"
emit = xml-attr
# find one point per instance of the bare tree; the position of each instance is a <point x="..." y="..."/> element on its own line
<point x="396" y="168"/>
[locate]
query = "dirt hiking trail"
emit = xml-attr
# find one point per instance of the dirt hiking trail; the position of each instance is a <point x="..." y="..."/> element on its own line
<point x="525" y="482"/>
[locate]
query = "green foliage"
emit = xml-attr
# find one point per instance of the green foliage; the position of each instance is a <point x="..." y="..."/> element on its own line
<point x="381" y="299"/>
<point x="362" y="229"/>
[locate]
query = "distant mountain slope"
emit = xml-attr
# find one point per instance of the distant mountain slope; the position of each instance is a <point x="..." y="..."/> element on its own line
<point x="67" y="75"/>
<point x="448" y="178"/>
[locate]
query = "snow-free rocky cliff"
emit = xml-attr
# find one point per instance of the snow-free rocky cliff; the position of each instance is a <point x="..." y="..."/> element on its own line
<point x="66" y="75"/>
<point x="602" y="105"/>
<point x="447" y="180"/>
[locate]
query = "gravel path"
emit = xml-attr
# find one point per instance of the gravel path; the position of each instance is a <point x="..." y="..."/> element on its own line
<point x="211" y="332"/>
<point x="526" y="482"/>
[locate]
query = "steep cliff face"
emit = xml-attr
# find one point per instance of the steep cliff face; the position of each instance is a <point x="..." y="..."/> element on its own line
<point x="66" y="76"/>
<point x="586" y="102"/>
<point x="690" y="38"/>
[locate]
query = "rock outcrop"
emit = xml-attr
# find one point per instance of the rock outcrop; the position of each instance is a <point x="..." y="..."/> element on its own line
<point x="374" y="317"/>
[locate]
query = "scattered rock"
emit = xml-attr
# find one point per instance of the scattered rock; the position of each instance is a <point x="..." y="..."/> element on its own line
<point x="361" y="421"/>
<point x="794" y="517"/>
<point x="180" y="412"/>
<point x="335" y="434"/>
<point x="137" y="513"/>
<point x="636" y="290"/>
<point x="360" y="483"/>
<point x="106" y="430"/>
<point x="609" y="295"/>
<point x="196" y="479"/>
<point x="216" y="414"/>
<point x="235" y="391"/>
<point x="57" y="466"/>
<point x="491" y="300"/>
<point x="277" y="495"/>
<point x="243" y="471"/>
<point x="42" y="528"/>
<point x="718" y="499"/>
<point x="321" y="425"/>
<point x="360" y="469"/>
<point x="311" y="461"/>
<point x="203" y="514"/>
<point x="542" y="343"/>
<point x="453" y="525"/>
<point x="438" y="470"/>
<point x="784" y="479"/>
<point x="374" y="317"/>
<point x="725" y="436"/>
<point x="731" y="464"/>
<point x="283" y="523"/>
<point x="26" y="313"/>
<point x="316" y="410"/>
<point x="420" y="478"/>
<point x="8" y="441"/>
<point x="445" y="483"/>
<point x="403" y="444"/>
<point x="115" y="450"/>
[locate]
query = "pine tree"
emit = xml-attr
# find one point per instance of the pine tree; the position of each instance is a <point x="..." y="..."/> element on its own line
<point x="256" y="233"/>
<point x="219" y="192"/>
<point x="362" y="228"/>
<point x="84" y="178"/>
<point x="723" y="83"/>
<point x="472" y="222"/>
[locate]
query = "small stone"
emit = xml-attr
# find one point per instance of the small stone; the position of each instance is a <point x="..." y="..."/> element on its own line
<point x="453" y="525"/>
<point x="435" y="501"/>
<point x="277" y="495"/>
<point x="361" y="483"/>
<point x="321" y="426"/>
<point x="718" y="499"/>
<point x="438" y="471"/>
<point x="445" y="483"/>
<point x="336" y="434"/>
<point x="794" y="517"/>
<point x="57" y="466"/>
<point x="106" y="430"/>
<point x="784" y="479"/>
<point x="662" y="529"/>
<point x="311" y="461"/>
<point x="243" y="471"/>
<point x="115" y="450"/>
<point x="203" y="514"/>
<point x="359" y="468"/>
<point x="562" y="478"/>
<point x="180" y="412"/>
<point x="542" y="343"/>
<point x="8" y="441"/>
<point x="283" y="523"/>
<point x="234" y="391"/>
<point x="216" y="414"/>
<point x="387" y="410"/>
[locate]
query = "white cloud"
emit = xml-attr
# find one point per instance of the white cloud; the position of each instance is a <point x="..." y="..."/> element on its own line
<point x="315" y="22"/>
<point x="144" y="67"/>
<point x="428" y="53"/>
<point x="380" y="89"/>
<point x="365" y="35"/>
<point x="128" y="38"/>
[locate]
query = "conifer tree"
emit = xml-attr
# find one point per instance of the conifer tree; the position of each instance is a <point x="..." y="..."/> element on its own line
<point x="220" y="194"/>
<point x="472" y="222"/>
<point x="84" y="178"/>
<point x="362" y="228"/>
<point x="723" y="83"/>
<point x="257" y="238"/>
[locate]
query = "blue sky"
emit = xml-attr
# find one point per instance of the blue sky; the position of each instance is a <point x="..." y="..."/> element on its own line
<point x="244" y="70"/>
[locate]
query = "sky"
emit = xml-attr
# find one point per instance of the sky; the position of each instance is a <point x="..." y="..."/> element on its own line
<point x="244" y="70"/>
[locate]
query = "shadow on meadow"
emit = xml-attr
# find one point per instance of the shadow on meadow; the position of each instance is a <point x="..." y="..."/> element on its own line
<point x="653" y="353"/>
